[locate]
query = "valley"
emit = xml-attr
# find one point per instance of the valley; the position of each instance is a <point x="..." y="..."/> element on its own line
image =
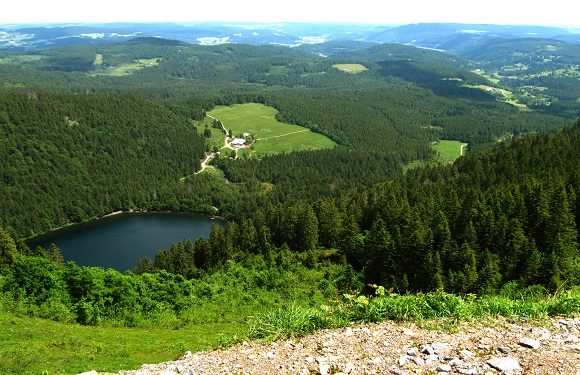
<point x="423" y="173"/>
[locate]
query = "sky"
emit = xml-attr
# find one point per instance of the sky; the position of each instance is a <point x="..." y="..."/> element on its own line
<point x="516" y="12"/>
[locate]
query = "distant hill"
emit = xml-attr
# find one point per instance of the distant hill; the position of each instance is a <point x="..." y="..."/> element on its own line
<point x="458" y="37"/>
<point x="449" y="37"/>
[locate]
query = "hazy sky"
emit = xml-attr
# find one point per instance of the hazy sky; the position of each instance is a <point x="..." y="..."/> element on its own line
<point x="529" y="12"/>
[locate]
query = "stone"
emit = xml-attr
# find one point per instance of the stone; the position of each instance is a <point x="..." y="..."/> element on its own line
<point x="409" y="332"/>
<point x="324" y="368"/>
<point x="396" y="371"/>
<point x="529" y="343"/>
<point x="456" y="362"/>
<point x="433" y="357"/>
<point x="427" y="349"/>
<point x="402" y="360"/>
<point x="437" y="346"/>
<point x="504" y="349"/>
<point x="444" y="368"/>
<point x="466" y="354"/>
<point x="413" y="352"/>
<point x="309" y="359"/>
<point x="348" y="332"/>
<point x="377" y="360"/>
<point x="419" y="361"/>
<point x="349" y="367"/>
<point x="467" y="371"/>
<point x="271" y="355"/>
<point x="505" y="364"/>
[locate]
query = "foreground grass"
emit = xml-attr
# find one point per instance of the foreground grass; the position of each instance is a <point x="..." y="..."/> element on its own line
<point x="272" y="136"/>
<point x="33" y="345"/>
<point x="447" y="308"/>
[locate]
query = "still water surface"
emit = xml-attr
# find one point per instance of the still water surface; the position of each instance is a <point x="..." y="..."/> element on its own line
<point x="118" y="241"/>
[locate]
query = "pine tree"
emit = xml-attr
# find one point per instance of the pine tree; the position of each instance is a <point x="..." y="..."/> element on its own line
<point x="7" y="252"/>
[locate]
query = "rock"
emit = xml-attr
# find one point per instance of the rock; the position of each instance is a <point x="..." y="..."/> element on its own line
<point x="413" y="352"/>
<point x="444" y="368"/>
<point x="323" y="368"/>
<point x="467" y="371"/>
<point x="505" y="364"/>
<point x="309" y="359"/>
<point x="466" y="354"/>
<point x="349" y="367"/>
<point x="409" y="332"/>
<point x="437" y="346"/>
<point x="427" y="349"/>
<point x="419" y="361"/>
<point x="167" y="372"/>
<point x="529" y="343"/>
<point x="456" y="362"/>
<point x="377" y="360"/>
<point x="396" y="371"/>
<point x="432" y="357"/>
<point x="348" y="332"/>
<point x="271" y="355"/>
<point x="504" y="349"/>
<point x="403" y="360"/>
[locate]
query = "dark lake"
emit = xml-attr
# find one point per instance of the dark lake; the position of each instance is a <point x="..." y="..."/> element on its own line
<point x="118" y="241"/>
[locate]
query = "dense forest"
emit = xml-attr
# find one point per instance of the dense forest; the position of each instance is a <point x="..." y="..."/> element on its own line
<point x="68" y="158"/>
<point x="510" y="214"/>
<point x="506" y="215"/>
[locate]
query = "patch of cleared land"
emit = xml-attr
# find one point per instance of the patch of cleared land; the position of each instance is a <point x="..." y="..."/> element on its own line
<point x="501" y="95"/>
<point x="271" y="135"/>
<point x="350" y="68"/>
<point x="129" y="68"/>
<point x="449" y="151"/>
<point x="482" y="73"/>
<point x="98" y="60"/>
<point x="20" y="59"/>
<point x="217" y="136"/>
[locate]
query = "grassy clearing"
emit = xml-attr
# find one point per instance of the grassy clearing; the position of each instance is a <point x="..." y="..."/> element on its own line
<point x="271" y="135"/>
<point x="98" y="60"/>
<point x="130" y="68"/>
<point x="32" y="345"/>
<point x="217" y="136"/>
<point x="350" y="68"/>
<point x="501" y="95"/>
<point x="449" y="151"/>
<point x="20" y="59"/>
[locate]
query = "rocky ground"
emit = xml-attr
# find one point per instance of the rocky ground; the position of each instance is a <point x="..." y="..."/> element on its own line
<point x="502" y="346"/>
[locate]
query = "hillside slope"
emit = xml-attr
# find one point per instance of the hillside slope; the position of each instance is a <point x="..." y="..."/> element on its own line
<point x="397" y="348"/>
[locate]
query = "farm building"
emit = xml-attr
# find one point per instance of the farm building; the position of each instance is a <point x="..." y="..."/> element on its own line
<point x="239" y="142"/>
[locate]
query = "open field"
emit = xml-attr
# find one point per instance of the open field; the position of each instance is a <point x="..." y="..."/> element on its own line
<point x="98" y="60"/>
<point x="271" y="135"/>
<point x="449" y="150"/>
<point x="501" y="95"/>
<point x="130" y="68"/>
<point x="33" y="345"/>
<point x="20" y="59"/>
<point x="350" y="68"/>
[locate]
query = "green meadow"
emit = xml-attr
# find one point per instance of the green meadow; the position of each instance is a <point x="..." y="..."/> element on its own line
<point x="272" y="136"/>
<point x="449" y="151"/>
<point x="350" y="68"/>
